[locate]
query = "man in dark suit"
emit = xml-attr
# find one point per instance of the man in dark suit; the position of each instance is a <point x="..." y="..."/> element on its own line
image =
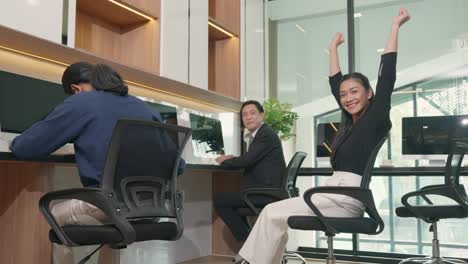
<point x="263" y="165"/>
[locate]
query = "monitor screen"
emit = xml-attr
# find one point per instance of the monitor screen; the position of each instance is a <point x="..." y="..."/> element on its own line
<point x="168" y="113"/>
<point x="432" y="135"/>
<point x="326" y="133"/>
<point x="207" y="136"/>
<point x="25" y="100"/>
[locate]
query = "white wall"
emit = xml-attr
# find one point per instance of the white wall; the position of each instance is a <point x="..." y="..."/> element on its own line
<point x="198" y="57"/>
<point x="42" y="18"/>
<point x="174" y="40"/>
<point x="71" y="23"/>
<point x="184" y="41"/>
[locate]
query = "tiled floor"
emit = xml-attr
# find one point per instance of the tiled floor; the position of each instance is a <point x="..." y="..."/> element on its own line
<point x="227" y="260"/>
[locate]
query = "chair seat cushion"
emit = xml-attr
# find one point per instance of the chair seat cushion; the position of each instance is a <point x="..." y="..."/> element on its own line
<point x="109" y="234"/>
<point x="362" y="225"/>
<point x="435" y="212"/>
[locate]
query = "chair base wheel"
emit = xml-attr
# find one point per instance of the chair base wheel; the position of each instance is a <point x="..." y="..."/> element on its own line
<point x="432" y="260"/>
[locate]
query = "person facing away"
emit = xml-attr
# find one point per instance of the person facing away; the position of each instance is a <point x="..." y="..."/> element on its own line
<point x="366" y="120"/>
<point x="99" y="98"/>
<point x="263" y="164"/>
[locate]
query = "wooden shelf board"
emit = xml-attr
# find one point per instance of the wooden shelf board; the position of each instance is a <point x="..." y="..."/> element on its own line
<point x="217" y="34"/>
<point x="111" y="12"/>
<point x="20" y="42"/>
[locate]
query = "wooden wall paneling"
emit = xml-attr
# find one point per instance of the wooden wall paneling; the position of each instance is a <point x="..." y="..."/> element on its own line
<point x="136" y="45"/>
<point x="151" y="7"/>
<point x="223" y="242"/>
<point x="212" y="65"/>
<point x="109" y="12"/>
<point x="97" y="36"/>
<point x="226" y="67"/>
<point x="227" y="12"/>
<point x="140" y="46"/>
<point x="23" y="229"/>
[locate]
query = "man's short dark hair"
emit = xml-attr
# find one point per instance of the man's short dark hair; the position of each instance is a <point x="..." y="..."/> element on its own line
<point x="76" y="73"/>
<point x="252" y="102"/>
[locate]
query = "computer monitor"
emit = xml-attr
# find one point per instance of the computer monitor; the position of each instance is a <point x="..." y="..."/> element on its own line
<point x="326" y="133"/>
<point x="25" y="100"/>
<point x="168" y="113"/>
<point x="207" y="137"/>
<point x="431" y="137"/>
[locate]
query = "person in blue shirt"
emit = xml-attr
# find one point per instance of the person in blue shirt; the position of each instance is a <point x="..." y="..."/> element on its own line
<point x="99" y="98"/>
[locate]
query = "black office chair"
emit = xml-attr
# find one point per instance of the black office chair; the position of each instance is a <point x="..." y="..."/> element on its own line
<point x="138" y="191"/>
<point x="288" y="189"/>
<point x="371" y="225"/>
<point x="431" y="213"/>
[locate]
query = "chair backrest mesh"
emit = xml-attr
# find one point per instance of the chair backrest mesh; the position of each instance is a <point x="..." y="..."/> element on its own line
<point x="367" y="174"/>
<point x="292" y="171"/>
<point x="141" y="167"/>
<point x="454" y="163"/>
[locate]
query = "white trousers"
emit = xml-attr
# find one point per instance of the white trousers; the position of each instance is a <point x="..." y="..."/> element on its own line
<point x="268" y="238"/>
<point x="77" y="212"/>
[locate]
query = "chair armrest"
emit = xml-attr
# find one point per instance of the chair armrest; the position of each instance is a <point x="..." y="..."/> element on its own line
<point x="363" y="195"/>
<point x="94" y="196"/>
<point x="275" y="193"/>
<point x="442" y="190"/>
<point x="430" y="186"/>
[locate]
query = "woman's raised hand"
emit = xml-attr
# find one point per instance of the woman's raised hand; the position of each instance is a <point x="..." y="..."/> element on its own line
<point x="402" y="17"/>
<point x="337" y="40"/>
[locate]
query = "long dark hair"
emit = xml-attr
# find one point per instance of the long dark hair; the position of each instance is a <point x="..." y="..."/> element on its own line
<point x="346" y="118"/>
<point x="104" y="78"/>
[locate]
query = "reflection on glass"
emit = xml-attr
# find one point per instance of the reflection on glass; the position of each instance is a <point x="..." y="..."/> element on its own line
<point x="207" y="136"/>
<point x="168" y="113"/>
<point x="433" y="135"/>
<point x="326" y="133"/>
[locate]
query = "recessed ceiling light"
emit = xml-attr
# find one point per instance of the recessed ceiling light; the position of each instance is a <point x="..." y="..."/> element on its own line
<point x="300" y="28"/>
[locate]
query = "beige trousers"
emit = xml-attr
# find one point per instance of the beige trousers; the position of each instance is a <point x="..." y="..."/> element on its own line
<point x="268" y="238"/>
<point x="77" y="212"/>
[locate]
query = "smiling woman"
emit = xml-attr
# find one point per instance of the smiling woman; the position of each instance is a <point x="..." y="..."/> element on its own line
<point x="366" y="123"/>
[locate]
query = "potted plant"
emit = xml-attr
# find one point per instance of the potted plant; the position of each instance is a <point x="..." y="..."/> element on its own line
<point x="280" y="117"/>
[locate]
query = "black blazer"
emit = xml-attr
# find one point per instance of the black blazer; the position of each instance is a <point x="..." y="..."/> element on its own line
<point x="263" y="164"/>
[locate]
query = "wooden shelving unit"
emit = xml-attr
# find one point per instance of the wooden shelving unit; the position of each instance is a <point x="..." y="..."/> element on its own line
<point x="217" y="31"/>
<point x="224" y="47"/>
<point x="114" y="13"/>
<point x="50" y="52"/>
<point x="115" y="32"/>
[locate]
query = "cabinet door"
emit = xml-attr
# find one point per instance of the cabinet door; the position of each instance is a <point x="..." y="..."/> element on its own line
<point x="174" y="40"/>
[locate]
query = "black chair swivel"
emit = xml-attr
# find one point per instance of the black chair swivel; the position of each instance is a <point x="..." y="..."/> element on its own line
<point x="138" y="191"/>
<point x="371" y="225"/>
<point x="432" y="213"/>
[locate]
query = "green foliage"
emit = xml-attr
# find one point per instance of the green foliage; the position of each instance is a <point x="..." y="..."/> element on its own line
<point x="280" y="117"/>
